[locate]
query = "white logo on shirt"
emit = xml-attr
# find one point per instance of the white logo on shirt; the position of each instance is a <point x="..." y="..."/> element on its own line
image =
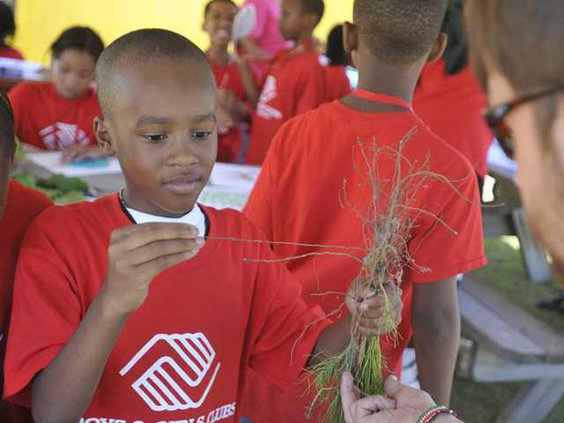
<point x="60" y="136"/>
<point x="269" y="93"/>
<point x="172" y="382"/>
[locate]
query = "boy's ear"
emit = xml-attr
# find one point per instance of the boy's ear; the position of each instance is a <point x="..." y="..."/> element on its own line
<point x="350" y="37"/>
<point x="103" y="136"/>
<point x="438" y="48"/>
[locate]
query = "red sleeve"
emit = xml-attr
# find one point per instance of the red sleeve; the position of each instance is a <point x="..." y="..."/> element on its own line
<point x="440" y="252"/>
<point x="284" y="330"/>
<point x="309" y="91"/>
<point x="45" y="314"/>
<point x="19" y="96"/>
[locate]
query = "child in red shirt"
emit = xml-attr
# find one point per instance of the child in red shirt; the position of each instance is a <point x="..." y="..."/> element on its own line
<point x="18" y="207"/>
<point x="337" y="83"/>
<point x="449" y="100"/>
<point x="7" y="30"/>
<point x="319" y="149"/>
<point x="58" y="115"/>
<point x="235" y="87"/>
<point x="145" y="306"/>
<point x="295" y="81"/>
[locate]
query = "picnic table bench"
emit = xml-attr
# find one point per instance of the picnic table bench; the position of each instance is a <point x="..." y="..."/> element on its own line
<point x="503" y="343"/>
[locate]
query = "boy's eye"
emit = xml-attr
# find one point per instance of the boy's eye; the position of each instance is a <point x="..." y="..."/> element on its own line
<point x="155" y="137"/>
<point x="201" y="135"/>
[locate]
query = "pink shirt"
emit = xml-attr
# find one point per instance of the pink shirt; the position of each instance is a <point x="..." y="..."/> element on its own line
<point x="266" y="32"/>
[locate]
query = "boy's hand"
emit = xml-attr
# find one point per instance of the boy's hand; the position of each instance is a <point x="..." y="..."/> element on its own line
<point x="138" y="253"/>
<point x="82" y="153"/>
<point x="369" y="308"/>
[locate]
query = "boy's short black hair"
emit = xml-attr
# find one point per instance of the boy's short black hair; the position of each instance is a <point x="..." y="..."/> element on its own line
<point x="141" y="47"/>
<point x="335" y="49"/>
<point x="317" y="7"/>
<point x="210" y="3"/>
<point x="80" y="38"/>
<point x="399" y="31"/>
<point x="7" y="22"/>
<point x="7" y="137"/>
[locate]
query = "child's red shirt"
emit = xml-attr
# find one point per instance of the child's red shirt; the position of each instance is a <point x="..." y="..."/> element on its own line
<point x="313" y="183"/>
<point x="295" y="83"/>
<point x="184" y="353"/>
<point x="452" y="106"/>
<point x="229" y="78"/>
<point x="337" y="83"/>
<point x="22" y="206"/>
<point x="48" y="121"/>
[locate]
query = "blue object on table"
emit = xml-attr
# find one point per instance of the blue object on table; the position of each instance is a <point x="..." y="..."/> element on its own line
<point x="90" y="162"/>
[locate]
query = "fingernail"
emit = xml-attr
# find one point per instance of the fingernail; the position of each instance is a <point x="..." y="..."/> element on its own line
<point x="393" y="377"/>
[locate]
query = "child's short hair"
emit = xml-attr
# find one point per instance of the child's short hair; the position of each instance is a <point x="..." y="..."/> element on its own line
<point x="7" y="22"/>
<point x="79" y="38"/>
<point x="335" y="49"/>
<point x="210" y="3"/>
<point x="144" y="46"/>
<point x="7" y="138"/>
<point x="399" y="31"/>
<point x="316" y="7"/>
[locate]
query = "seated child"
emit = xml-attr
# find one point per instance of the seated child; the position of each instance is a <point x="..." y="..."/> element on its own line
<point x="145" y="306"/>
<point x="7" y="30"/>
<point x="301" y="195"/>
<point x="265" y="41"/>
<point x="295" y="81"/>
<point x="57" y="115"/>
<point x="18" y="207"/>
<point x="337" y="83"/>
<point x="449" y="100"/>
<point x="235" y="86"/>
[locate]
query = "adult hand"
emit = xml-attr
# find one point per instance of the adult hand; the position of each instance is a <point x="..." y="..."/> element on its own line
<point x="402" y="403"/>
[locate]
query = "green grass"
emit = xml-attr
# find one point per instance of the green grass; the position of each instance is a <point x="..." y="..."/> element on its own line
<point x="482" y="403"/>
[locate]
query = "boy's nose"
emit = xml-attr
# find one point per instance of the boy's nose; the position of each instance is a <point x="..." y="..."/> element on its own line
<point x="182" y="153"/>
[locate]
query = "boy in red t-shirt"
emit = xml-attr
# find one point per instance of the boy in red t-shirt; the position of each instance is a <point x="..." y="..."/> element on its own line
<point x="57" y="115"/>
<point x="233" y="77"/>
<point x="299" y="196"/>
<point x="295" y="81"/>
<point x="18" y="207"/>
<point x="125" y="312"/>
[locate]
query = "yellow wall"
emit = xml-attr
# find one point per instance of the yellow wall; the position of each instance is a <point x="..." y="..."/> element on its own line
<point x="40" y="21"/>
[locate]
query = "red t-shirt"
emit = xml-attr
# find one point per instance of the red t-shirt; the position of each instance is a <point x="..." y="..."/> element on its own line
<point x="295" y="83"/>
<point x="10" y="52"/>
<point x="452" y="106"/>
<point x="299" y="197"/>
<point x="22" y="206"/>
<point x="48" y="121"/>
<point x="229" y="78"/>
<point x="337" y="83"/>
<point x="184" y="353"/>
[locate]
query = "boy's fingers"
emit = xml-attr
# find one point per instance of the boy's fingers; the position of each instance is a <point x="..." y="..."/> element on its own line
<point x="151" y="232"/>
<point x="154" y="267"/>
<point x="158" y="249"/>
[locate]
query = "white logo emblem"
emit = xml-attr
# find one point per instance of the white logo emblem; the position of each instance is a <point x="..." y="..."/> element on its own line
<point x="179" y="380"/>
<point x="268" y="94"/>
<point x="63" y="135"/>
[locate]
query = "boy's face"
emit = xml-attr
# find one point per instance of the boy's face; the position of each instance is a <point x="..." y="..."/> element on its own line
<point x="162" y="127"/>
<point x="219" y="23"/>
<point x="73" y="72"/>
<point x="292" y="20"/>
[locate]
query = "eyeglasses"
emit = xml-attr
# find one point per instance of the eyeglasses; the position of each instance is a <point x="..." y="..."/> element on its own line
<point x="495" y="117"/>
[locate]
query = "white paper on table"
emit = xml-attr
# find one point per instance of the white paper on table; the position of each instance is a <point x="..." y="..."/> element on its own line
<point x="234" y="176"/>
<point x="51" y="161"/>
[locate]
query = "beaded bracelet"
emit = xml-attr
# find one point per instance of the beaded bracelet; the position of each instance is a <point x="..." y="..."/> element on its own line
<point x="432" y="413"/>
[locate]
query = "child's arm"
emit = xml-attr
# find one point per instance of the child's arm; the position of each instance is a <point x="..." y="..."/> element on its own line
<point x="63" y="391"/>
<point x="436" y="334"/>
<point x="252" y="48"/>
<point x="252" y="92"/>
